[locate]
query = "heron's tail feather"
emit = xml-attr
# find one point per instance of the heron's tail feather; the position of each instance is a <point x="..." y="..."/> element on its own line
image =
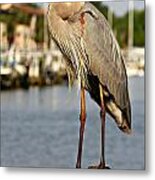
<point x="126" y="120"/>
<point x="121" y="117"/>
<point x="125" y="127"/>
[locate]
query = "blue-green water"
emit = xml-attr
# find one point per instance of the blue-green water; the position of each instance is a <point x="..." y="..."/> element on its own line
<point x="39" y="128"/>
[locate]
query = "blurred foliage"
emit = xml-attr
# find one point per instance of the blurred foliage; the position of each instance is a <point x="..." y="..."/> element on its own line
<point x="16" y="16"/>
<point x="120" y="24"/>
<point x="139" y="28"/>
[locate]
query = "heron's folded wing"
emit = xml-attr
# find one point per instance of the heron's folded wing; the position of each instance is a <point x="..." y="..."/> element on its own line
<point x="105" y="58"/>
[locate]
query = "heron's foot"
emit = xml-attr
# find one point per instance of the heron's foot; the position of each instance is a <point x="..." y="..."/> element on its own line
<point x="100" y="166"/>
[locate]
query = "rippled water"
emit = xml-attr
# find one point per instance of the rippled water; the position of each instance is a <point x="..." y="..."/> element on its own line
<point x="39" y="128"/>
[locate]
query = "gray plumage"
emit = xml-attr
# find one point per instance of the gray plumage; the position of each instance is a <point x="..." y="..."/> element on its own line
<point x="94" y="56"/>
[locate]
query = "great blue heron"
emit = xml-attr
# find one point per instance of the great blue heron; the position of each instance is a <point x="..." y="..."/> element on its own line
<point x="93" y="55"/>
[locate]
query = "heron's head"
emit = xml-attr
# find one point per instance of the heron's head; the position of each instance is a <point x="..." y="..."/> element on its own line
<point x="65" y="10"/>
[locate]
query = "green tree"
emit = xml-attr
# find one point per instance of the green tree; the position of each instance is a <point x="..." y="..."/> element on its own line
<point x="139" y="28"/>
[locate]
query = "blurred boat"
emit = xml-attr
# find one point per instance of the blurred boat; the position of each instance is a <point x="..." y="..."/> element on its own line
<point x="135" y="61"/>
<point x="12" y="75"/>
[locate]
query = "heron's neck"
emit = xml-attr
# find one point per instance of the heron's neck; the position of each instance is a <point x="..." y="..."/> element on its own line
<point x="56" y="24"/>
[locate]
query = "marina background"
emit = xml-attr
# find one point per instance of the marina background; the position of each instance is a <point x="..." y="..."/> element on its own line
<point x="28" y="56"/>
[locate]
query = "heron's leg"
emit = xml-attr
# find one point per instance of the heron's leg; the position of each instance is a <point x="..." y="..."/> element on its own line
<point x="102" y="116"/>
<point x="82" y="127"/>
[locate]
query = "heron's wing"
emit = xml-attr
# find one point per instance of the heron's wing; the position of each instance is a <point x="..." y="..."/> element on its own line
<point x="105" y="58"/>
